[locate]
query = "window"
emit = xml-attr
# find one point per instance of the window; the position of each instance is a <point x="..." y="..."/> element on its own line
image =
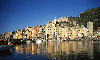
<point x="64" y="21"/>
<point x="48" y="29"/>
<point x="50" y="22"/>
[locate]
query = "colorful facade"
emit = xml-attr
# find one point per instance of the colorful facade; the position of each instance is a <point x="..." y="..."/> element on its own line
<point x="58" y="28"/>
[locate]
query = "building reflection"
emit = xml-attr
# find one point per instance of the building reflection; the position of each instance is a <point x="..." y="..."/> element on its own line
<point x="61" y="50"/>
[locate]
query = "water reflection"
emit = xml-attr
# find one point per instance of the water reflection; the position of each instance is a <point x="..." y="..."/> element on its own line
<point x="62" y="50"/>
<point x="5" y="54"/>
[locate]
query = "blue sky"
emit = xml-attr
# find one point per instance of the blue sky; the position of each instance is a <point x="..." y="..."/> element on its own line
<point x="29" y="13"/>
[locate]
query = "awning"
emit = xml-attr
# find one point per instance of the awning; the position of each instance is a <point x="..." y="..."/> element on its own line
<point x="42" y="36"/>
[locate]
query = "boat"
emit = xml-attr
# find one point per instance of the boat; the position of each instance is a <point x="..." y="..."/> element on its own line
<point x="64" y="39"/>
<point x="2" y="41"/>
<point x="33" y="40"/>
<point x="28" y="41"/>
<point x="38" y="41"/>
<point x="6" y="47"/>
<point x="14" y="41"/>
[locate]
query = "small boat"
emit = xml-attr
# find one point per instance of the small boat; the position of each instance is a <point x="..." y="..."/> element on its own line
<point x="64" y="39"/>
<point x="38" y="41"/>
<point x="28" y="41"/>
<point x="33" y="40"/>
<point x="6" y="47"/>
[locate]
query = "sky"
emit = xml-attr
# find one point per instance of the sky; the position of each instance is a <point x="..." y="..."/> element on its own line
<point x="30" y="13"/>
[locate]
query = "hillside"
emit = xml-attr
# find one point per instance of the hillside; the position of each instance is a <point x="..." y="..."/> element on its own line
<point x="92" y="15"/>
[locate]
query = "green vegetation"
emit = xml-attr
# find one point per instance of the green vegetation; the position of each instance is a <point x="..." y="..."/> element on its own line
<point x="92" y="15"/>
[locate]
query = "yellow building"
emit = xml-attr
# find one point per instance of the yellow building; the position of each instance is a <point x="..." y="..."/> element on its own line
<point x="80" y="32"/>
<point x="32" y="32"/>
<point x="63" y="32"/>
<point x="19" y="34"/>
<point x="68" y="33"/>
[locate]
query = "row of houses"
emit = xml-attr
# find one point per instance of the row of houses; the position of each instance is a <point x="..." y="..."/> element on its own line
<point x="58" y="28"/>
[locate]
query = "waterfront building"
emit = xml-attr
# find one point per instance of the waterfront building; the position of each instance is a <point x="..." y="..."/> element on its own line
<point x="7" y="35"/>
<point x="80" y="32"/>
<point x="58" y="28"/>
<point x="32" y="33"/>
<point x="98" y="34"/>
<point x="75" y="33"/>
<point x="19" y="34"/>
<point x="36" y="31"/>
<point x="23" y="33"/>
<point x="90" y="27"/>
<point x="41" y="31"/>
<point x="29" y="32"/>
<point x="0" y="36"/>
<point x="14" y="36"/>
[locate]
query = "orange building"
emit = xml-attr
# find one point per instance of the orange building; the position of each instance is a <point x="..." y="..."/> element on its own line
<point x="35" y="31"/>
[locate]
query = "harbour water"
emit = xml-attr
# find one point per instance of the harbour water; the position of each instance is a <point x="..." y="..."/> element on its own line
<point x="54" y="50"/>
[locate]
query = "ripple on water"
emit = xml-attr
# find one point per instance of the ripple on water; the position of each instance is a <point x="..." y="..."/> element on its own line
<point x="53" y="50"/>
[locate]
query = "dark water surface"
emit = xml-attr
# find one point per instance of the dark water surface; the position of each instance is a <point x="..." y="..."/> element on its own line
<point x="54" y="50"/>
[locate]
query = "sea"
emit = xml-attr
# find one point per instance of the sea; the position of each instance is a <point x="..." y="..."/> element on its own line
<point x="54" y="50"/>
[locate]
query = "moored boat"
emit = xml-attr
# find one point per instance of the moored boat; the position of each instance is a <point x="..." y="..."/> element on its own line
<point x="6" y="47"/>
<point x="28" y="41"/>
<point x="38" y="41"/>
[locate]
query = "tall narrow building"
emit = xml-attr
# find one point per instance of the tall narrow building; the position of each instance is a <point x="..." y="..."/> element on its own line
<point x="90" y="27"/>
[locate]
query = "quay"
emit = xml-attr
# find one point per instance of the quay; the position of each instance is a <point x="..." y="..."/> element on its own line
<point x="16" y="41"/>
